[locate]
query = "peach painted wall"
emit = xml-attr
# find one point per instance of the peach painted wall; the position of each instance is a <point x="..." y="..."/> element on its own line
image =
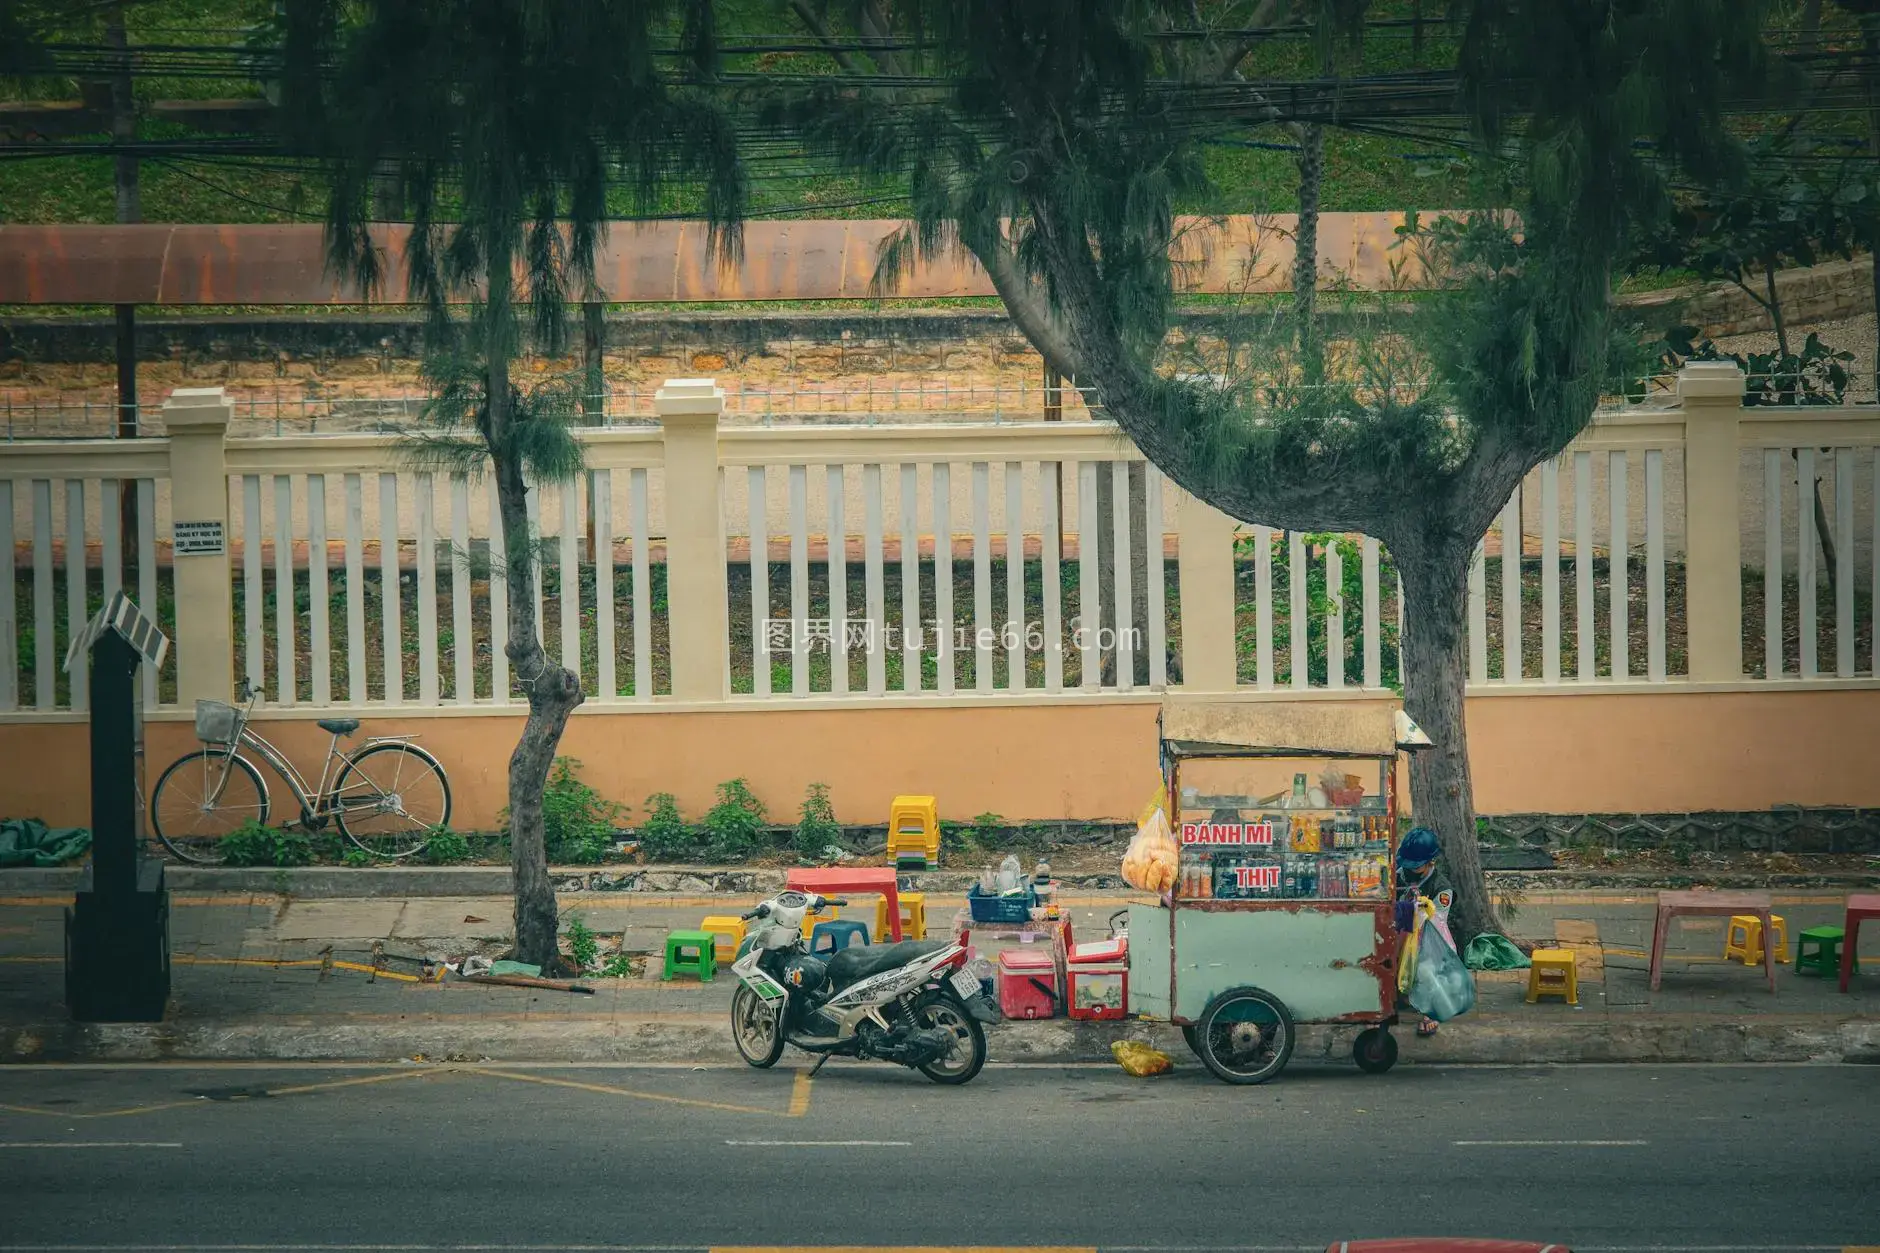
<point x="1555" y="753"/>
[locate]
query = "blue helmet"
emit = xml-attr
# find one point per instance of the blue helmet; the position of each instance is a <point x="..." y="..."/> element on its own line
<point x="1417" y="848"/>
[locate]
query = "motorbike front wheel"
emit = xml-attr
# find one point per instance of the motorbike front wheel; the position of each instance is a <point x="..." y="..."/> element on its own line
<point x="968" y="1053"/>
<point x="756" y="1028"/>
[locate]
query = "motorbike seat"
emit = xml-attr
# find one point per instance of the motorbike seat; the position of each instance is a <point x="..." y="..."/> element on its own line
<point x="860" y="961"/>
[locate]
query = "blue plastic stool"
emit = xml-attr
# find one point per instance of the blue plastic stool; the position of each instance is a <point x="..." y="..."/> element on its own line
<point x="841" y="934"/>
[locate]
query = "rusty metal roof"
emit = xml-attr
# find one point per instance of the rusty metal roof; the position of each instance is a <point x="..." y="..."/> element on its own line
<point x="638" y="262"/>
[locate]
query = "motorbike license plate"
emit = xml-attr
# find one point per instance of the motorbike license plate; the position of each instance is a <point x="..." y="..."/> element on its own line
<point x="966" y="983"/>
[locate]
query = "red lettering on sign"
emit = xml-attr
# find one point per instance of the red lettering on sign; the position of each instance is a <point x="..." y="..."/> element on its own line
<point x="1227" y="833"/>
<point x="1256" y="876"/>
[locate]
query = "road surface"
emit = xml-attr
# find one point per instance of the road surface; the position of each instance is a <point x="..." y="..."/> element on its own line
<point x="490" y="1156"/>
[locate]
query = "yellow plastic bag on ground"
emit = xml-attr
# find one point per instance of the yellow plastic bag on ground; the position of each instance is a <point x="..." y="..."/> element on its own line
<point x="1141" y="1060"/>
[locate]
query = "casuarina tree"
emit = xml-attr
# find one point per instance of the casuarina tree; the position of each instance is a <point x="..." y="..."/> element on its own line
<point x="1064" y="137"/>
<point x="505" y="124"/>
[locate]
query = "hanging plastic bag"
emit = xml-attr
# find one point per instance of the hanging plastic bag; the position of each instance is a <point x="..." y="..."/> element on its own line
<point x="1494" y="952"/>
<point x="1152" y="858"/>
<point x="1407" y="961"/>
<point x="1441" y="987"/>
<point x="1140" y="1059"/>
<point x="1157" y="803"/>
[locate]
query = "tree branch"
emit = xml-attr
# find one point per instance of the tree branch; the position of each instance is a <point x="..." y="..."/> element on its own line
<point x="813" y="23"/>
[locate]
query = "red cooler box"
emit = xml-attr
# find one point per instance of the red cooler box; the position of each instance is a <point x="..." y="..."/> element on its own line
<point x="1099" y="976"/>
<point x="1027" y="984"/>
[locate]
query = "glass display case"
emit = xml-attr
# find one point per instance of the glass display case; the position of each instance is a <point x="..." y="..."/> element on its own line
<point x="1284" y="829"/>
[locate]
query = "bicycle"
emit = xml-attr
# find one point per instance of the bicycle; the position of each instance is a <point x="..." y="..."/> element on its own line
<point x="387" y="797"/>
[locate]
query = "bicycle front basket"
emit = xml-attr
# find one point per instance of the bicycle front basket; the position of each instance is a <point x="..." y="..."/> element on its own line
<point x="217" y="722"/>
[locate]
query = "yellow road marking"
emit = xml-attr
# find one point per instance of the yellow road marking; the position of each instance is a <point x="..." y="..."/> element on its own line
<point x="799" y="1094"/>
<point x="608" y="1090"/>
<point x="199" y="1102"/>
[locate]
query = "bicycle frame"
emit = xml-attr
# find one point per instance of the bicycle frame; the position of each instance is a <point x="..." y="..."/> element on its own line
<point x="314" y="803"/>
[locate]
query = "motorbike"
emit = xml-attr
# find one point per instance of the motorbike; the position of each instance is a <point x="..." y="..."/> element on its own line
<point x="913" y="1003"/>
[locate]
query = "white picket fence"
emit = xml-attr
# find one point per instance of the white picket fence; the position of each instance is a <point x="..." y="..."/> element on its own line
<point x="356" y="579"/>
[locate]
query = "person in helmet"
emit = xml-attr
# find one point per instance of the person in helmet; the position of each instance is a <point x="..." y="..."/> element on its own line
<point x="1420" y="874"/>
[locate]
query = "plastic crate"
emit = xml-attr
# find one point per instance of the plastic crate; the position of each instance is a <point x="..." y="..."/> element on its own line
<point x="1014" y="908"/>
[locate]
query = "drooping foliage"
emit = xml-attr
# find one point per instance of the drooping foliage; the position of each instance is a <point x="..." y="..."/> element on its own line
<point x="503" y="125"/>
<point x="1068" y="132"/>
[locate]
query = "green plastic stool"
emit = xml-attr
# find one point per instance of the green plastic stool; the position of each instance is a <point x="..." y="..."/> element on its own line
<point x="702" y="960"/>
<point x="1825" y="959"/>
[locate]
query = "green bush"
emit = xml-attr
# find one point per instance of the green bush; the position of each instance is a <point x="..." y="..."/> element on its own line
<point x="446" y="848"/>
<point x="577" y="821"/>
<point x="665" y="836"/>
<point x="583" y="947"/>
<point x="735" y="825"/>
<point x="357" y="857"/>
<point x="817" y="828"/>
<point x="252" y="844"/>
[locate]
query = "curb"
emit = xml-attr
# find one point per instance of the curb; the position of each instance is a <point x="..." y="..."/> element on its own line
<point x="704" y="1039"/>
<point x="343" y="882"/>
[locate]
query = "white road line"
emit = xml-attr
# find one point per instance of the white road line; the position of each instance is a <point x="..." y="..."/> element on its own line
<point x="820" y="1144"/>
<point x="89" y="1144"/>
<point x="1549" y="1144"/>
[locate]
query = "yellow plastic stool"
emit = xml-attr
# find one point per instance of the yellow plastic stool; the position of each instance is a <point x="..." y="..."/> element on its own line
<point x="814" y="916"/>
<point x="1553" y="974"/>
<point x="914" y="829"/>
<point x="727" y="933"/>
<point x="913" y="917"/>
<point x="1748" y="949"/>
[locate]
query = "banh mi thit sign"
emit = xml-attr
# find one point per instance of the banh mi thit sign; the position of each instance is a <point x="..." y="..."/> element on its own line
<point x="1227" y="833"/>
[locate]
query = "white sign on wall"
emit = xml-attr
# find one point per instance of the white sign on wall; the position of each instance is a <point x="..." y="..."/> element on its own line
<point x="197" y="539"/>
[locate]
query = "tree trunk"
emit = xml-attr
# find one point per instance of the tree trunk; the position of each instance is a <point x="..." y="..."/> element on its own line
<point x="553" y="691"/>
<point x="1435" y="664"/>
<point x="1775" y="307"/>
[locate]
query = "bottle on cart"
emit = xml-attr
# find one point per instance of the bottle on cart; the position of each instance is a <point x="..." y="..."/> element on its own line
<point x="1299" y="791"/>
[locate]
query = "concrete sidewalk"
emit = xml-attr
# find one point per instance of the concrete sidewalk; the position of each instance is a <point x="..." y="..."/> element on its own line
<point x="249" y="984"/>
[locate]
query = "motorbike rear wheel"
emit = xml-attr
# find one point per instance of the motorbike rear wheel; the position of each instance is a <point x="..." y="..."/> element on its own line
<point x="968" y="1054"/>
<point x="756" y="1028"/>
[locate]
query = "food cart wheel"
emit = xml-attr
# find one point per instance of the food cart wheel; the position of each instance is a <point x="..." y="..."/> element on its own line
<point x="1245" y="1036"/>
<point x="1194" y="1041"/>
<point x="1375" y="1050"/>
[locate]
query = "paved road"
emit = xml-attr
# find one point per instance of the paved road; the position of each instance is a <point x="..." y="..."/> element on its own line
<point x="496" y="1157"/>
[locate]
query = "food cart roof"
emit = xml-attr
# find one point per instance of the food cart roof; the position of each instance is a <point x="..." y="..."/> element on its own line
<point x="1198" y="727"/>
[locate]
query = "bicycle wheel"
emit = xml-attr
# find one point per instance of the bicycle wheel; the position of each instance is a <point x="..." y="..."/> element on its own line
<point x="202" y="797"/>
<point x="389" y="799"/>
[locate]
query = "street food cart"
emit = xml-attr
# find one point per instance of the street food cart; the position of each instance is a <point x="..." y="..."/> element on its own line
<point x="1281" y="908"/>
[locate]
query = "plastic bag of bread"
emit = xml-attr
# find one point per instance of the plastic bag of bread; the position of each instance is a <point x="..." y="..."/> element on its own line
<point x="1152" y="859"/>
<point x="1139" y="1059"/>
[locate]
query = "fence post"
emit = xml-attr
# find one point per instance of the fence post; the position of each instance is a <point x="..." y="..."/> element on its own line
<point x="1712" y="395"/>
<point x="197" y="419"/>
<point x="1207" y="596"/>
<point x="700" y="629"/>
